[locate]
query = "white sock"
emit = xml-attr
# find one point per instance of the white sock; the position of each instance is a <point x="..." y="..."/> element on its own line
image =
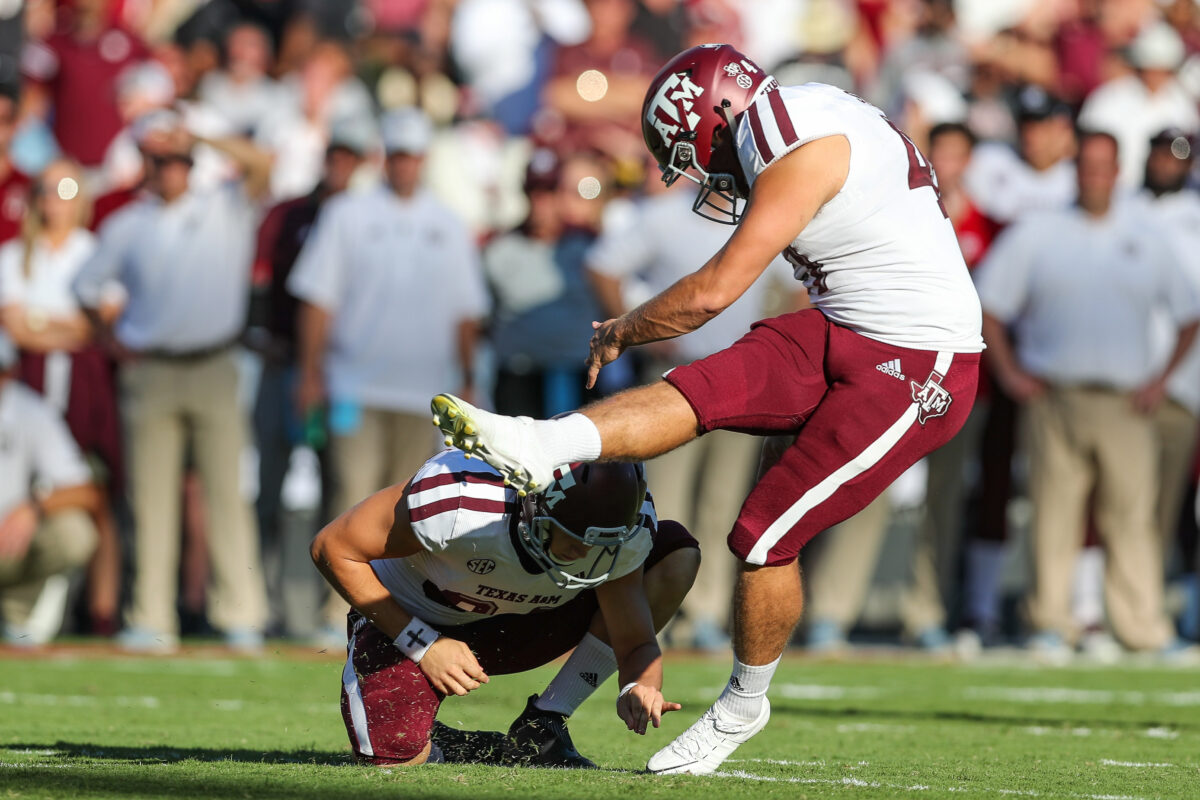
<point x="743" y="695"/>
<point x="569" y="439"/>
<point x="589" y="665"/>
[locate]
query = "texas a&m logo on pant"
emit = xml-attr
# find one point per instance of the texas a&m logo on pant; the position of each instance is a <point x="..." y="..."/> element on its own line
<point x="931" y="399"/>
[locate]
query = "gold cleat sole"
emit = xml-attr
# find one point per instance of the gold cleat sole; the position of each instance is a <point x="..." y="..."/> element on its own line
<point x="461" y="431"/>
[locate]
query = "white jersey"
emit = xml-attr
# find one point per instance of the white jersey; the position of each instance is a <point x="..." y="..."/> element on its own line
<point x="1005" y="187"/>
<point x="881" y="257"/>
<point x="472" y="566"/>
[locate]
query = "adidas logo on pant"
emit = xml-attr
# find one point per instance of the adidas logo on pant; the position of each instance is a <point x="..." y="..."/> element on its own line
<point x="891" y="368"/>
<point x="592" y="679"/>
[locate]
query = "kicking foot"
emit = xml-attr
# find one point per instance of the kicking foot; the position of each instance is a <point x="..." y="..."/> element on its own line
<point x="540" y="739"/>
<point x="703" y="747"/>
<point x="507" y="443"/>
<point x="469" y="747"/>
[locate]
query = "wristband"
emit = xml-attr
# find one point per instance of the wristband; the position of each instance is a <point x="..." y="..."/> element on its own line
<point x="626" y="689"/>
<point x="415" y="639"/>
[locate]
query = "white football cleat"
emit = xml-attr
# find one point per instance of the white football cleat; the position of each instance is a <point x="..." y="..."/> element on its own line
<point x="703" y="747"/>
<point x="507" y="443"/>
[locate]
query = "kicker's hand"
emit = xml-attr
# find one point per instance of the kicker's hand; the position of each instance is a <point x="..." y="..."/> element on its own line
<point x="451" y="667"/>
<point x="605" y="347"/>
<point x="643" y="705"/>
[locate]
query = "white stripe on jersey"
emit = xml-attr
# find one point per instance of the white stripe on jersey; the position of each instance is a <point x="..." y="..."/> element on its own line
<point x="483" y="491"/>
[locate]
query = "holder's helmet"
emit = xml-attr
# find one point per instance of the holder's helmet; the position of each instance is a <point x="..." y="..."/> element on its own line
<point x="597" y="504"/>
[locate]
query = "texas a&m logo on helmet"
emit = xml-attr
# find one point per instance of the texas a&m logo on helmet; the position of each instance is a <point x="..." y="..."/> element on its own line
<point x="673" y="107"/>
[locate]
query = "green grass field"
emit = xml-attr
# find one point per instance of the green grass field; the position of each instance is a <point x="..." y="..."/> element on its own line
<point x="84" y="724"/>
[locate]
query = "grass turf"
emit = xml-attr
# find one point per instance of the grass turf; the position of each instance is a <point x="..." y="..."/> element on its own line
<point x="82" y="724"/>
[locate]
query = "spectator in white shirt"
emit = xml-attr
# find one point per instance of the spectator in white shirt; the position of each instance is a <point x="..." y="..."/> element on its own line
<point x="59" y="358"/>
<point x="1083" y="367"/>
<point x="45" y="499"/>
<point x="325" y="91"/>
<point x="242" y="91"/>
<point x="183" y="256"/>
<point x="391" y="295"/>
<point x="1006" y="183"/>
<point x="1135" y="107"/>
<point x="504" y="49"/>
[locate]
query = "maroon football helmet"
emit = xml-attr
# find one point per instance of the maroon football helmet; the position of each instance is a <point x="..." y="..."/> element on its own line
<point x="599" y="505"/>
<point x="689" y="121"/>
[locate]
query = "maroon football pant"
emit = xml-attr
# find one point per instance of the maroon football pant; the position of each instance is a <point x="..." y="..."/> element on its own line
<point x="863" y="412"/>
<point x="389" y="705"/>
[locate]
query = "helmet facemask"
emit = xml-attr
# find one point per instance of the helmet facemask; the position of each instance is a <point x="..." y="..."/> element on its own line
<point x="726" y="184"/>
<point x="538" y="523"/>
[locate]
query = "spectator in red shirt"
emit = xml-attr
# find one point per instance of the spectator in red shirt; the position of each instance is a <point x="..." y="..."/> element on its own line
<point x="14" y="184"/>
<point x="72" y="77"/>
<point x="598" y="86"/>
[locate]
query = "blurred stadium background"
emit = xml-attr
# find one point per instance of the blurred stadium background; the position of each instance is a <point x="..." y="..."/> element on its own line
<point x="495" y="152"/>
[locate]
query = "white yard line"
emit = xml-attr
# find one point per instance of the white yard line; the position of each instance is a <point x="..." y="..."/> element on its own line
<point x="145" y="701"/>
<point x="820" y="762"/>
<point x="1015" y="694"/>
<point x="847" y="781"/>
<point x="26" y="698"/>
<point x="1062" y="694"/>
<point x="1108" y="762"/>
<point x="873" y="727"/>
<point x="1161" y="733"/>
<point x="813" y="691"/>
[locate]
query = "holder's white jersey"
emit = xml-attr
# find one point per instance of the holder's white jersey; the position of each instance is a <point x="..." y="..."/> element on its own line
<point x="472" y="566"/>
<point x="881" y="257"/>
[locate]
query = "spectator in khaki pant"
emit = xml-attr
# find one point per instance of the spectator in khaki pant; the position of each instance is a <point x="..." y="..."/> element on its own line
<point x="46" y="497"/>
<point x="1082" y="367"/>
<point x="183" y="256"/>
<point x="391" y="294"/>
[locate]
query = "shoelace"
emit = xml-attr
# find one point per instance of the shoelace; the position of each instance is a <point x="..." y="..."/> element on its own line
<point x="698" y="739"/>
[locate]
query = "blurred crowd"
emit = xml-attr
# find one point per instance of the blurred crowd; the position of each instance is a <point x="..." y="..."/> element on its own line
<point x="243" y="242"/>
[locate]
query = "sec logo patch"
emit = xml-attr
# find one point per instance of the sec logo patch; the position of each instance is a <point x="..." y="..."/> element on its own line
<point x="481" y="566"/>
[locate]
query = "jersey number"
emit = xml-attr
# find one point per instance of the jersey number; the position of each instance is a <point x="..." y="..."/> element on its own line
<point x="469" y="603"/>
<point x="920" y="174"/>
<point x="813" y="271"/>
